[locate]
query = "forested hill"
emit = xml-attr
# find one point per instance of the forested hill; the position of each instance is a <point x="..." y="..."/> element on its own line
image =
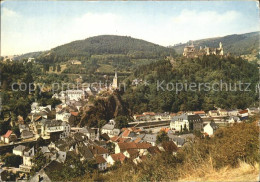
<point x="238" y="44"/>
<point x="106" y="45"/>
<point x="207" y="70"/>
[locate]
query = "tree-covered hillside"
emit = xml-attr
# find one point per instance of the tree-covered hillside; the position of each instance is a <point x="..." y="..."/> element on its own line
<point x="101" y="55"/>
<point x="235" y="44"/>
<point x="106" y="44"/>
<point x="206" y="70"/>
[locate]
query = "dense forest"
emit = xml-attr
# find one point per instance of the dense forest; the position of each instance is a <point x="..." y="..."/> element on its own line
<point x="207" y="69"/>
<point x="18" y="92"/>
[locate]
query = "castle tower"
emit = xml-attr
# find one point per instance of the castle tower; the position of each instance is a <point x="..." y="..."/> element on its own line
<point x="221" y="51"/>
<point x="114" y="85"/>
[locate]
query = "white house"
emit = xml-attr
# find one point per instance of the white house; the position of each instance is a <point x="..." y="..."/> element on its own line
<point x="120" y="157"/>
<point x="213" y="113"/>
<point x="110" y="129"/>
<point x="27" y="160"/>
<point x="9" y="137"/>
<point x="19" y="150"/>
<point x="210" y="128"/>
<point x="186" y="122"/>
<point x="54" y="126"/>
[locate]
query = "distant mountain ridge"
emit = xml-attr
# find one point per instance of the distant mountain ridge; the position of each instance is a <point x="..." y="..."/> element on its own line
<point x="237" y="44"/>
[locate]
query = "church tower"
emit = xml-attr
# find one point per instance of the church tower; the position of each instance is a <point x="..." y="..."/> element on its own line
<point x="114" y="85"/>
<point x="220" y="45"/>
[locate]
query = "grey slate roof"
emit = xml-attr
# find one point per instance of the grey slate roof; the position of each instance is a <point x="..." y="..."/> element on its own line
<point x="108" y="126"/>
<point x="20" y="148"/>
<point x="85" y="152"/>
<point x="214" y="125"/>
<point x="190" y="118"/>
<point x="177" y="140"/>
<point x="150" y="137"/>
<point x="26" y="133"/>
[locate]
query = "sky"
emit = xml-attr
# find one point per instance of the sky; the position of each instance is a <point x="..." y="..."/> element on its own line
<point x="28" y="26"/>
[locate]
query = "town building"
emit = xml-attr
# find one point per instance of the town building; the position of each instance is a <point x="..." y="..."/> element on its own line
<point x="18" y="150"/>
<point x="27" y="160"/>
<point x="210" y="128"/>
<point x="186" y="122"/>
<point x="110" y="129"/>
<point x="9" y="137"/>
<point x="53" y="126"/>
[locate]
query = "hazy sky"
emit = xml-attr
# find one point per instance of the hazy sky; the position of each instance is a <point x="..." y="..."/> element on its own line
<point x="37" y="26"/>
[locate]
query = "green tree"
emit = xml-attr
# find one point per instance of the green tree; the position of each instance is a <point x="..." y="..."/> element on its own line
<point x="58" y="68"/>
<point x="162" y="137"/>
<point x="101" y="123"/>
<point x="121" y="122"/>
<point x="4" y="127"/>
<point x="39" y="161"/>
<point x="54" y="67"/>
<point x="12" y="160"/>
<point x="16" y="130"/>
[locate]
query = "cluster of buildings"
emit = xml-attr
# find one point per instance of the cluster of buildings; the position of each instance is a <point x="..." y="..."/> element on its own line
<point x="108" y="145"/>
<point x="191" y="51"/>
<point x="205" y="122"/>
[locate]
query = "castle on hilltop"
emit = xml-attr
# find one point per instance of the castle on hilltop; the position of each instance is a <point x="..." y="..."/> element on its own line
<point x="191" y="51"/>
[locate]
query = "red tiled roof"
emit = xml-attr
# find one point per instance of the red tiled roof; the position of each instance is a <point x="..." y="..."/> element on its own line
<point x="100" y="159"/>
<point x="139" y="115"/>
<point x="8" y="133"/>
<point x="199" y="112"/>
<point x="143" y="145"/>
<point x="243" y="111"/>
<point x="126" y="133"/>
<point x="114" y="139"/>
<point x="137" y="140"/>
<point x="134" y="129"/>
<point x="118" y="157"/>
<point x="98" y="150"/>
<point x="74" y="113"/>
<point x="132" y="151"/>
<point x="129" y="145"/>
<point x="149" y="113"/>
<point x="165" y="129"/>
<point x="121" y="140"/>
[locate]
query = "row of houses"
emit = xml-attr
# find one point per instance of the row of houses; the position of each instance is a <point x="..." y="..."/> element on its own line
<point x="149" y="116"/>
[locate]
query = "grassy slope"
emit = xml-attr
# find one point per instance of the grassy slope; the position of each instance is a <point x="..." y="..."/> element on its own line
<point x="244" y="172"/>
